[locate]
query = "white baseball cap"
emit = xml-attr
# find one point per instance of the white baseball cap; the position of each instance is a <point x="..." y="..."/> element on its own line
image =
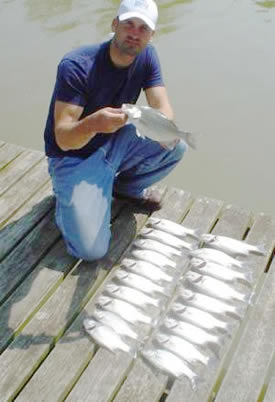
<point x="146" y="10"/>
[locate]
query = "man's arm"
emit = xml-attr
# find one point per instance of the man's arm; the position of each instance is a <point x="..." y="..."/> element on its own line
<point x="158" y="99"/>
<point x="72" y="133"/>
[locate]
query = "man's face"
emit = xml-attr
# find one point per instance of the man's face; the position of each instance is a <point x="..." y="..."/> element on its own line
<point x="131" y="36"/>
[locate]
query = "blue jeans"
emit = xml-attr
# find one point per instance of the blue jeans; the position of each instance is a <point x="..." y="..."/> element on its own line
<point x="83" y="188"/>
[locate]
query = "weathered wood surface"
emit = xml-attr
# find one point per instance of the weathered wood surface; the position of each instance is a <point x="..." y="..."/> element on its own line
<point x="45" y="294"/>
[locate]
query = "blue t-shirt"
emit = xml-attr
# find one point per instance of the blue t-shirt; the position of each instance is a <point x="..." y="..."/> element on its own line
<point x="87" y="77"/>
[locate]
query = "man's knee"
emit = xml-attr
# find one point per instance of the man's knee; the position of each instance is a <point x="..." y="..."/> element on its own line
<point x="89" y="252"/>
<point x="179" y="150"/>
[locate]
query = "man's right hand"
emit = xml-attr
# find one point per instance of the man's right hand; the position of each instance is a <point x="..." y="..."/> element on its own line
<point x="107" y="120"/>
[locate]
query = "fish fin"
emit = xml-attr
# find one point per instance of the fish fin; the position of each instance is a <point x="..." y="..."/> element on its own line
<point x="260" y="250"/>
<point x="216" y="348"/>
<point x="196" y="234"/>
<point x="195" y="380"/>
<point x="239" y="314"/>
<point x="248" y="280"/>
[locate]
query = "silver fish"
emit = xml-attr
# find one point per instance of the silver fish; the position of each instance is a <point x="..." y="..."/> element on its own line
<point x="173" y="228"/>
<point x="171" y="364"/>
<point x="182" y="348"/>
<point x="166" y="238"/>
<point x="212" y="255"/>
<point x="143" y="284"/>
<point x="222" y="272"/>
<point x="147" y="270"/>
<point x="153" y="257"/>
<point x="131" y="295"/>
<point x="201" y="318"/>
<point x="155" y="125"/>
<point x="232" y="246"/>
<point x="148" y="244"/>
<point x="105" y="336"/>
<point x="193" y="334"/>
<point x="125" y="310"/>
<point x="216" y="288"/>
<point x="211" y="304"/>
<point x="115" y="322"/>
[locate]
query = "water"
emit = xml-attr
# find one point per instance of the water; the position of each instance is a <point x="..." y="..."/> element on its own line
<point x="218" y="62"/>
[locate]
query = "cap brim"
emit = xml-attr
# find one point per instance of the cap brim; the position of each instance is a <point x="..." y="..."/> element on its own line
<point x="136" y="14"/>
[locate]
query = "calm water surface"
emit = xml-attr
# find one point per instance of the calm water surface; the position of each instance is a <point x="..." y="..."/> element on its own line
<point x="218" y="62"/>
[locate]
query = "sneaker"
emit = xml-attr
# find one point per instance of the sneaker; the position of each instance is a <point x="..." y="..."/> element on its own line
<point x="150" y="200"/>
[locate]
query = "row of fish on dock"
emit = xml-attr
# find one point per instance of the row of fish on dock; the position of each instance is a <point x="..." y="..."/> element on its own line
<point x="188" y="290"/>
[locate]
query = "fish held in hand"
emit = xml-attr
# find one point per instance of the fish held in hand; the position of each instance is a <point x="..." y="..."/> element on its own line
<point x="232" y="246"/>
<point x="153" y="124"/>
<point x="105" y="336"/>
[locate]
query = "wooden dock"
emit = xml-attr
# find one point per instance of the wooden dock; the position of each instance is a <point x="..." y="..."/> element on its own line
<point x="45" y="294"/>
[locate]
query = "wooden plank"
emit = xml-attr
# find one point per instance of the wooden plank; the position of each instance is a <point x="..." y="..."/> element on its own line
<point x="261" y="232"/>
<point x="245" y="376"/>
<point x="232" y="221"/>
<point x="24" y="220"/>
<point x="143" y="384"/>
<point x="63" y="367"/>
<point x="18" y="168"/>
<point x="8" y="152"/>
<point x="47" y="379"/>
<point x="105" y="373"/>
<point x="23" y="258"/>
<point x="177" y="203"/>
<point x="270" y="391"/>
<point x="30" y="348"/>
<point x="17" y="195"/>
<point x="33" y="292"/>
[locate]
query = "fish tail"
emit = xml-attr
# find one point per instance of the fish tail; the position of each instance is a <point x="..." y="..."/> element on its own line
<point x="196" y="234"/>
<point x="212" y="361"/>
<point x="259" y="250"/>
<point x="190" y="138"/>
<point x="249" y="279"/>
<point x="216" y="348"/>
<point x="132" y="351"/>
<point x="239" y="313"/>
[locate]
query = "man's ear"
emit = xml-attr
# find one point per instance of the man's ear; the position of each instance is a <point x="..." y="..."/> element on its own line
<point x="115" y="24"/>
